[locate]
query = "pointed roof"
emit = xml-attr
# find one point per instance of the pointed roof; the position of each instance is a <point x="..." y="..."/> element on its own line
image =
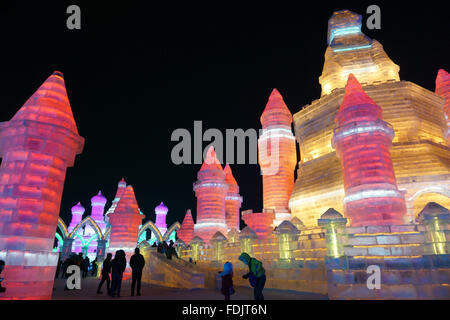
<point x="331" y="214"/>
<point x="161" y="209"/>
<point x="78" y="208"/>
<point x="49" y="104"/>
<point x="443" y="83"/>
<point x="433" y="209"/>
<point x="276" y="111"/>
<point x="211" y="167"/>
<point x="229" y="178"/>
<point x="127" y="203"/>
<point x="98" y="199"/>
<point x="286" y="227"/>
<point x="188" y="220"/>
<point x="356" y="98"/>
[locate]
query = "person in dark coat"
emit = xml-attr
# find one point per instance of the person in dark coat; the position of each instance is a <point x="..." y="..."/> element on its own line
<point x="172" y="250"/>
<point x="94" y="267"/>
<point x="118" y="265"/>
<point x="106" y="270"/>
<point x="227" y="280"/>
<point x="137" y="263"/>
<point x="85" y="266"/>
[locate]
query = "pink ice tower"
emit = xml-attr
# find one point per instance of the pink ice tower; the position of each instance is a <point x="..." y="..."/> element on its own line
<point x="77" y="216"/>
<point x="211" y="190"/>
<point x="37" y="145"/>
<point x="161" y="213"/>
<point x="98" y="203"/>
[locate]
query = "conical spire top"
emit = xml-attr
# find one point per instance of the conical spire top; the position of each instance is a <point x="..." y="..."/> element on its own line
<point x="49" y="104"/>
<point x="357" y="105"/>
<point x="211" y="160"/>
<point x="98" y="199"/>
<point x="229" y="178"/>
<point x="127" y="203"/>
<point x="276" y="112"/>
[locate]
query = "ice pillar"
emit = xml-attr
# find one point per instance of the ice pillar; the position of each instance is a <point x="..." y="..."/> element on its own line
<point x="277" y="157"/>
<point x="362" y="142"/>
<point x="37" y="145"/>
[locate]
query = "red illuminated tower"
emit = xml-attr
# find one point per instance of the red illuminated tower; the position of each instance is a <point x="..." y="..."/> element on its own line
<point x="277" y="157"/>
<point x="443" y="89"/>
<point x="125" y="221"/>
<point x="362" y="142"/>
<point x="186" y="231"/>
<point x="233" y="200"/>
<point x="210" y="190"/>
<point x="37" y="145"/>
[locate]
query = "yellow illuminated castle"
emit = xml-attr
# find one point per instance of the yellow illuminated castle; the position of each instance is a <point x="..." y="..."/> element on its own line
<point x="419" y="153"/>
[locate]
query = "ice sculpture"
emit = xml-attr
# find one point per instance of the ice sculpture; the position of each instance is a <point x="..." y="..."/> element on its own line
<point x="161" y="213"/>
<point x="37" y="145"/>
<point x="125" y="221"/>
<point x="210" y="190"/>
<point x="362" y="141"/>
<point x="233" y="201"/>
<point x="443" y="89"/>
<point x="186" y="231"/>
<point x="277" y="157"/>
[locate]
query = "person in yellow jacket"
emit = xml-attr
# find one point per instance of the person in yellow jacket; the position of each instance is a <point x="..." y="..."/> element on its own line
<point x="256" y="274"/>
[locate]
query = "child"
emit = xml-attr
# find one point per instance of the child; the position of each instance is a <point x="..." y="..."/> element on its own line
<point x="227" y="280"/>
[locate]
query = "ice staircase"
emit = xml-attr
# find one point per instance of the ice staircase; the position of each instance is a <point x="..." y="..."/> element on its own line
<point x="176" y="273"/>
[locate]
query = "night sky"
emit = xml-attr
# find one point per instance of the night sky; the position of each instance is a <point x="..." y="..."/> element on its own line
<point x="137" y="71"/>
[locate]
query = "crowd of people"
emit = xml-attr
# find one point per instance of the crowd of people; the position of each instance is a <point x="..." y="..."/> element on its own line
<point x="113" y="268"/>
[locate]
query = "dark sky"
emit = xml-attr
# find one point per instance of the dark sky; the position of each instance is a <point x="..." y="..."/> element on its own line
<point x="136" y="71"/>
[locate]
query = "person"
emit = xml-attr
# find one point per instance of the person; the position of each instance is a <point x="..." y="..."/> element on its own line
<point x="118" y="265"/>
<point x="166" y="250"/>
<point x="227" y="280"/>
<point x="170" y="250"/>
<point x="137" y="263"/>
<point x="85" y="266"/>
<point x="256" y="275"/>
<point x="106" y="270"/>
<point x="160" y="247"/>
<point x="94" y="267"/>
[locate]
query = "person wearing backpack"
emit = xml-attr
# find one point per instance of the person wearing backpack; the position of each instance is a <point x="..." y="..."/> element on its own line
<point x="256" y="275"/>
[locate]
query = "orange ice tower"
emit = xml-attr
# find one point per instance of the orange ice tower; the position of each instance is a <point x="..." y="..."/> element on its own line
<point x="210" y="190"/>
<point x="37" y="145"/>
<point x="443" y="89"/>
<point x="233" y="200"/>
<point x="186" y="231"/>
<point x="125" y="221"/>
<point x="362" y="141"/>
<point x="277" y="157"/>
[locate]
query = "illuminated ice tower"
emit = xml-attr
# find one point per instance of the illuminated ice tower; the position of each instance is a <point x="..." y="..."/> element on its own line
<point x="125" y="221"/>
<point x="443" y="89"/>
<point x="77" y="215"/>
<point x="89" y="235"/>
<point x="98" y="208"/>
<point x="186" y="231"/>
<point x="120" y="190"/>
<point x="277" y="157"/>
<point x="210" y="190"/>
<point x="161" y="213"/>
<point x="362" y="141"/>
<point x="37" y="145"/>
<point x="233" y="201"/>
